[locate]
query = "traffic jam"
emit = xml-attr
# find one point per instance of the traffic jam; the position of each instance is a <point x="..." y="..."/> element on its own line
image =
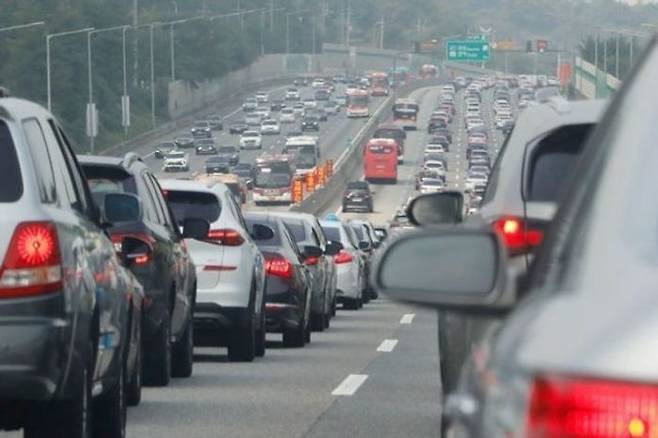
<point x="489" y="199"/>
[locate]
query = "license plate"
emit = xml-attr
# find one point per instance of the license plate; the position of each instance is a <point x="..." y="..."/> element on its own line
<point x="357" y="199"/>
<point x="381" y="167"/>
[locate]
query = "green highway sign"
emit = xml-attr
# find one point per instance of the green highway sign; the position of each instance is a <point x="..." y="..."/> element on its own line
<point x="468" y="50"/>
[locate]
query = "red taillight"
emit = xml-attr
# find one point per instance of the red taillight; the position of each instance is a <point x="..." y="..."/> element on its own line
<point x="343" y="257"/>
<point x="278" y="267"/>
<point x="517" y="235"/>
<point x="311" y="261"/>
<point x="33" y="263"/>
<point x="592" y="409"/>
<point x="226" y="237"/>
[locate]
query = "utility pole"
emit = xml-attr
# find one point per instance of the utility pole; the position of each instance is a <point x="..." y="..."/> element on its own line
<point x="314" y="32"/>
<point x="135" y="43"/>
<point x="271" y="16"/>
<point x="381" y="34"/>
<point x="617" y="57"/>
<point x="262" y="32"/>
<point x="348" y="27"/>
<point x="605" y="55"/>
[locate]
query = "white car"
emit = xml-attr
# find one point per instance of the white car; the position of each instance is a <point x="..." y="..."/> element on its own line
<point x="350" y="268"/>
<point x="176" y="161"/>
<point x="230" y="268"/>
<point x="431" y="185"/>
<point x="310" y="103"/>
<point x="434" y="149"/>
<point x="253" y="119"/>
<point x="435" y="166"/>
<point x="475" y="179"/>
<point x="262" y="97"/>
<point x="299" y="109"/>
<point x="270" y="127"/>
<point x="251" y="140"/>
<point x="318" y="83"/>
<point x="292" y="94"/>
<point x="263" y="112"/>
<point x="287" y="115"/>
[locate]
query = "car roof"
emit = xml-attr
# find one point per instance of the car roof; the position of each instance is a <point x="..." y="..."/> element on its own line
<point x="214" y="187"/>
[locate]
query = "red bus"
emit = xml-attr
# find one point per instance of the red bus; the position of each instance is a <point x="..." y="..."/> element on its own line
<point x="379" y="84"/>
<point x="393" y="131"/>
<point x="380" y="160"/>
<point x="405" y="113"/>
<point x="358" y="103"/>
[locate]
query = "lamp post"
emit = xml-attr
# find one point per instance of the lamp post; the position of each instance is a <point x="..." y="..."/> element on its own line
<point x="22" y="26"/>
<point x="50" y="37"/>
<point x="288" y="15"/>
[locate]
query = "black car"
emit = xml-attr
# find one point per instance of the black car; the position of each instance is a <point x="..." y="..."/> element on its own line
<point x="216" y="122"/>
<point x="206" y="146"/>
<point x="320" y="113"/>
<point x="201" y="129"/>
<point x="322" y="94"/>
<point x="444" y="132"/>
<point x="165" y="271"/>
<point x="184" y="143"/>
<point x="436" y="125"/>
<point x="217" y="164"/>
<point x="245" y="172"/>
<point x="277" y="105"/>
<point x="310" y="123"/>
<point x="358" y="196"/>
<point x="288" y="285"/>
<point x="230" y="154"/>
<point x="238" y="127"/>
<point x="163" y="149"/>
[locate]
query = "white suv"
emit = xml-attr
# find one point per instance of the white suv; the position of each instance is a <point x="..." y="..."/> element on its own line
<point x="230" y="268"/>
<point x="251" y="140"/>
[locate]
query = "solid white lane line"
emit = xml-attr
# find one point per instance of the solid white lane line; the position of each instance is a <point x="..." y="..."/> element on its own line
<point x="350" y="385"/>
<point x="407" y="318"/>
<point x="387" y="345"/>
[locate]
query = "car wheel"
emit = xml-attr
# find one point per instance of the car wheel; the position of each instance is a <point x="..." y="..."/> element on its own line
<point x="261" y="335"/>
<point x="351" y="304"/>
<point x="333" y="308"/>
<point x="242" y="343"/>
<point x="318" y="322"/>
<point x="182" y="355"/>
<point x="157" y="360"/>
<point x="110" y="409"/>
<point x="296" y="338"/>
<point x="65" y="418"/>
<point x="134" y="385"/>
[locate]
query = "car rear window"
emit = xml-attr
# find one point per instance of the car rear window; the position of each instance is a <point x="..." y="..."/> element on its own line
<point x="109" y="179"/>
<point x="553" y="160"/>
<point x="188" y="204"/>
<point x="11" y="182"/>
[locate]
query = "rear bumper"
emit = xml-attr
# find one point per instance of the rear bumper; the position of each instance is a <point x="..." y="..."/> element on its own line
<point x="364" y="205"/>
<point x="212" y="316"/>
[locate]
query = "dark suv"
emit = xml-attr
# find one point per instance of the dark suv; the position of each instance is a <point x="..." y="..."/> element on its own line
<point x="168" y="275"/>
<point x="358" y="196"/>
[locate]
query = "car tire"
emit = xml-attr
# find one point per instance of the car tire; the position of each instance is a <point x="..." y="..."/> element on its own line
<point x="157" y="361"/>
<point x="351" y="304"/>
<point x="261" y="334"/>
<point x="182" y="354"/>
<point x="242" y="343"/>
<point x="334" y="306"/>
<point x="297" y="337"/>
<point x="70" y="418"/>
<point x="134" y="384"/>
<point x="318" y="322"/>
<point x="307" y="335"/>
<point x="110" y="409"/>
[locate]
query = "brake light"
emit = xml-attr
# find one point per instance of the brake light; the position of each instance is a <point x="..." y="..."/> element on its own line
<point x="517" y="235"/>
<point x="592" y="409"/>
<point x="278" y="267"/>
<point x="226" y="237"/>
<point x="343" y="257"/>
<point x="33" y="264"/>
<point x="312" y="261"/>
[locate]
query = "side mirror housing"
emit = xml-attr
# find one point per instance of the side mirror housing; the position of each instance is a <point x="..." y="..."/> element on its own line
<point x="194" y="228"/>
<point x="261" y="232"/>
<point x="121" y="208"/>
<point x="312" y="251"/>
<point x="446" y="268"/>
<point x="437" y="209"/>
<point x="365" y="246"/>
<point x="333" y="248"/>
<point x="134" y="251"/>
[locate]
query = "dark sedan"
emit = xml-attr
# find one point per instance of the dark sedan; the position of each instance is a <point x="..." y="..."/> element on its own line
<point x="277" y="105"/>
<point x="231" y="154"/>
<point x="184" y="142"/>
<point x="238" y="127"/>
<point x="163" y="149"/>
<point x="206" y="147"/>
<point x="217" y="165"/>
<point x="358" y="196"/>
<point x="310" y="123"/>
<point x="201" y="129"/>
<point x="288" y="290"/>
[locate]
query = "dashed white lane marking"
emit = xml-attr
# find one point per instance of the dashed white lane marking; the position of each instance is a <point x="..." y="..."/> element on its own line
<point x="407" y="318"/>
<point x="387" y="345"/>
<point x="350" y="385"/>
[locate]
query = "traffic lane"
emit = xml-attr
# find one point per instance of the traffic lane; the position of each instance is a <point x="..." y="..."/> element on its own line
<point x="401" y="396"/>
<point x="284" y="394"/>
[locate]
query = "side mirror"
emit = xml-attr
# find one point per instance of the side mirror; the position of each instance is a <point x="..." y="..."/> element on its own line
<point x="134" y="251"/>
<point x="381" y="233"/>
<point x="333" y="248"/>
<point x="194" y="228"/>
<point x="437" y="209"/>
<point x="376" y="244"/>
<point x="312" y="252"/>
<point x="121" y="207"/>
<point x="365" y="246"/>
<point x="457" y="269"/>
<point x="261" y="232"/>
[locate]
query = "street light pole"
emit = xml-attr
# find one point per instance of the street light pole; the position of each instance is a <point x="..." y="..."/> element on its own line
<point x="22" y="26"/>
<point x="151" y="27"/>
<point x="124" y="99"/>
<point x="617" y="57"/>
<point x="288" y="34"/>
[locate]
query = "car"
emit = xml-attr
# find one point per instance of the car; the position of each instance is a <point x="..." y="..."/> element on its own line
<point x="318" y="83"/>
<point x="288" y="287"/>
<point x="307" y="232"/>
<point x="310" y="123"/>
<point x="287" y="115"/>
<point x="216" y="122"/>
<point x="67" y="301"/>
<point x="474" y="178"/>
<point x="234" y="183"/>
<point x="300" y="82"/>
<point x="251" y="140"/>
<point x="230" y="310"/>
<point x="176" y="161"/>
<point x="443" y="132"/>
<point x="435" y="166"/>
<point x="350" y="266"/>
<point x="263" y="112"/>
<point x="358" y="196"/>
<point x="331" y="107"/>
<point x="309" y="103"/>
<point x="270" y="127"/>
<point x="434" y="149"/>
<point x="299" y="109"/>
<point x="250" y="104"/>
<point x="184" y="143"/>
<point x="163" y="149"/>
<point x="165" y="271"/>
<point x="321" y="94"/>
<point x="440" y="140"/>
<point x="319" y="113"/>
<point x="231" y="154"/>
<point x="245" y="172"/>
<point x="428" y="173"/>
<point x="277" y="105"/>
<point x="292" y="94"/>
<point x="217" y="164"/>
<point x="361" y="232"/>
<point x="201" y="129"/>
<point x="478" y="168"/>
<point x="431" y="185"/>
<point x="252" y="119"/>
<point x="238" y="127"/>
<point x="205" y="146"/>
<point x="262" y="97"/>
